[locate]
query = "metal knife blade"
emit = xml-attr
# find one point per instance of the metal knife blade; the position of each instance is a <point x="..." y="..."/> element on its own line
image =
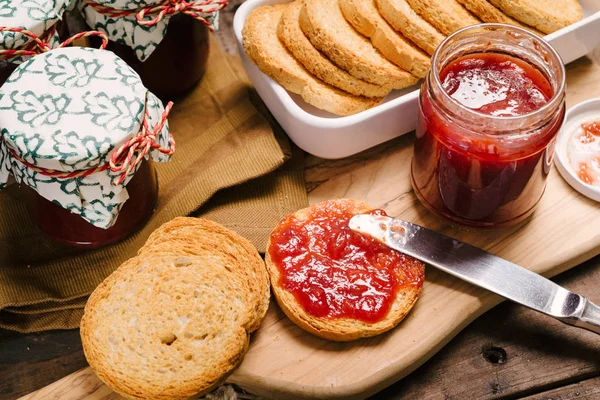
<point x="482" y="269"/>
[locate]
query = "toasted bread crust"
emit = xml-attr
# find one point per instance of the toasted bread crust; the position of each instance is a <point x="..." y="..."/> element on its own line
<point x="324" y="24"/>
<point x="264" y="48"/>
<point x="545" y="15"/>
<point x="485" y="11"/>
<point x="297" y="43"/>
<point x="404" y="19"/>
<point x="174" y="321"/>
<point x="364" y="16"/>
<point x="339" y="329"/>
<point x="447" y="16"/>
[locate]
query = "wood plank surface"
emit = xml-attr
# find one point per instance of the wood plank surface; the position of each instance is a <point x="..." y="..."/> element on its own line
<point x="510" y="352"/>
<point x="284" y="361"/>
<point x="586" y="390"/>
<point x="542" y="354"/>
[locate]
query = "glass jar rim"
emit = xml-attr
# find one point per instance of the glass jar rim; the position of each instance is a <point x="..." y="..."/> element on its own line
<point x="555" y="100"/>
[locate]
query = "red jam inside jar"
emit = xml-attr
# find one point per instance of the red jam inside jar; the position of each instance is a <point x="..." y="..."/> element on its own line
<point x="334" y="272"/>
<point x="70" y="229"/>
<point x="178" y="62"/>
<point x="488" y="123"/>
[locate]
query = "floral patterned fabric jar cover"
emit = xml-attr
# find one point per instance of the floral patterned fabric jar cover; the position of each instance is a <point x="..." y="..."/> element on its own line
<point x="38" y="17"/>
<point x="165" y="41"/>
<point x="77" y="126"/>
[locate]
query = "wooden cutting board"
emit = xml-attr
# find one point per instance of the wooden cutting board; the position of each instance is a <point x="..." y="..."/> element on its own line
<point x="285" y="362"/>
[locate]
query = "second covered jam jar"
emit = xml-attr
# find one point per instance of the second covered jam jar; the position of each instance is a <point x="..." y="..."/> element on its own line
<point x="165" y="41"/>
<point x="78" y="133"/>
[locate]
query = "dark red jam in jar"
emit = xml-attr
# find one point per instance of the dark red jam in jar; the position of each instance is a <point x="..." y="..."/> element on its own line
<point x="490" y="110"/>
<point x="178" y="62"/>
<point x="70" y="229"/>
<point x="86" y="177"/>
<point x="334" y="272"/>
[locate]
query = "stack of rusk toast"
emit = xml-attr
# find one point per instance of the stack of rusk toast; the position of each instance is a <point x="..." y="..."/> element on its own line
<point x="345" y="56"/>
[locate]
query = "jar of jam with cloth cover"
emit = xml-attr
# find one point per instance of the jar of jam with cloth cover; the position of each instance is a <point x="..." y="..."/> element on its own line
<point x="39" y="19"/>
<point x="490" y="110"/>
<point x="165" y="41"/>
<point x="78" y="132"/>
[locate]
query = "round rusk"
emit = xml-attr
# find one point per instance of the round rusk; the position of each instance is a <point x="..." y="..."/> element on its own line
<point x="342" y="329"/>
<point x="487" y="12"/>
<point x="324" y="24"/>
<point x="364" y="16"/>
<point x="405" y="20"/>
<point x="447" y="16"/>
<point x="264" y="48"/>
<point x="297" y="43"/>
<point x="546" y="15"/>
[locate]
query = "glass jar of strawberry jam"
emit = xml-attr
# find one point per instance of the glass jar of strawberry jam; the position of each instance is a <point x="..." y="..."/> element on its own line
<point x="79" y="132"/>
<point x="489" y="113"/>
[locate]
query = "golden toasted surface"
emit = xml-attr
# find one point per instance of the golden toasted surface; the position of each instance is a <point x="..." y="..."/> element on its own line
<point x="174" y="321"/>
<point x="364" y="16"/>
<point x="340" y="329"/>
<point x="415" y="28"/>
<point x="324" y="24"/>
<point x="264" y="48"/>
<point x="447" y="16"/>
<point x="297" y="43"/>
<point x="487" y="12"/>
<point x="546" y="15"/>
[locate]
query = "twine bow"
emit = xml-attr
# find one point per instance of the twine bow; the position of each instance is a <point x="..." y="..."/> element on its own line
<point x="133" y="151"/>
<point x="125" y="159"/>
<point x="194" y="9"/>
<point x="40" y="45"/>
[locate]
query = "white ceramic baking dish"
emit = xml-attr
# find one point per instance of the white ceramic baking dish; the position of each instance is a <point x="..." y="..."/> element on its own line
<point x="330" y="136"/>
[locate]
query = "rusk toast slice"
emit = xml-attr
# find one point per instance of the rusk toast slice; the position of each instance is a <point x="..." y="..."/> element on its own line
<point x="364" y="16"/>
<point x="264" y="48"/>
<point x="487" y="12"/>
<point x="340" y="328"/>
<point x="196" y="236"/>
<point x="545" y="15"/>
<point x="174" y="321"/>
<point x="405" y="20"/>
<point x="447" y="16"/>
<point x="324" y="24"/>
<point x="297" y="43"/>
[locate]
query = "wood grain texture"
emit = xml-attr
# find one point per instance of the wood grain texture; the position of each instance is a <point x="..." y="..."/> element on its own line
<point x="284" y="361"/>
<point x="586" y="390"/>
<point x="510" y="352"/>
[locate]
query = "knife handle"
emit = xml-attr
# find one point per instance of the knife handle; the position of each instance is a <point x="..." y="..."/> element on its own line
<point x="588" y="319"/>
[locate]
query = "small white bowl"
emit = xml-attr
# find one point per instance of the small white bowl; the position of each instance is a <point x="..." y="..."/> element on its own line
<point x="583" y="112"/>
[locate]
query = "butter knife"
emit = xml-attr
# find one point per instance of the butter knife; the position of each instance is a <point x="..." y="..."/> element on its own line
<point x="482" y="269"/>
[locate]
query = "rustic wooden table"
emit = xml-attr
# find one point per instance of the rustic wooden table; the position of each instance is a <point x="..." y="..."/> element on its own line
<point x="510" y="352"/>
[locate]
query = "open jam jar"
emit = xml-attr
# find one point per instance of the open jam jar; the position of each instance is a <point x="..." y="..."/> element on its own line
<point x="489" y="112"/>
<point x="165" y="42"/>
<point x="79" y="134"/>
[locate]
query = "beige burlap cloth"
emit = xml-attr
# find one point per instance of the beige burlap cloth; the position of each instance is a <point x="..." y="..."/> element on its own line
<point x="229" y="166"/>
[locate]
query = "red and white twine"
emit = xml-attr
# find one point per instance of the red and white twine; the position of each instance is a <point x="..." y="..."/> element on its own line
<point x="132" y="152"/>
<point x="194" y="9"/>
<point x="40" y="45"/>
<point x="125" y="159"/>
